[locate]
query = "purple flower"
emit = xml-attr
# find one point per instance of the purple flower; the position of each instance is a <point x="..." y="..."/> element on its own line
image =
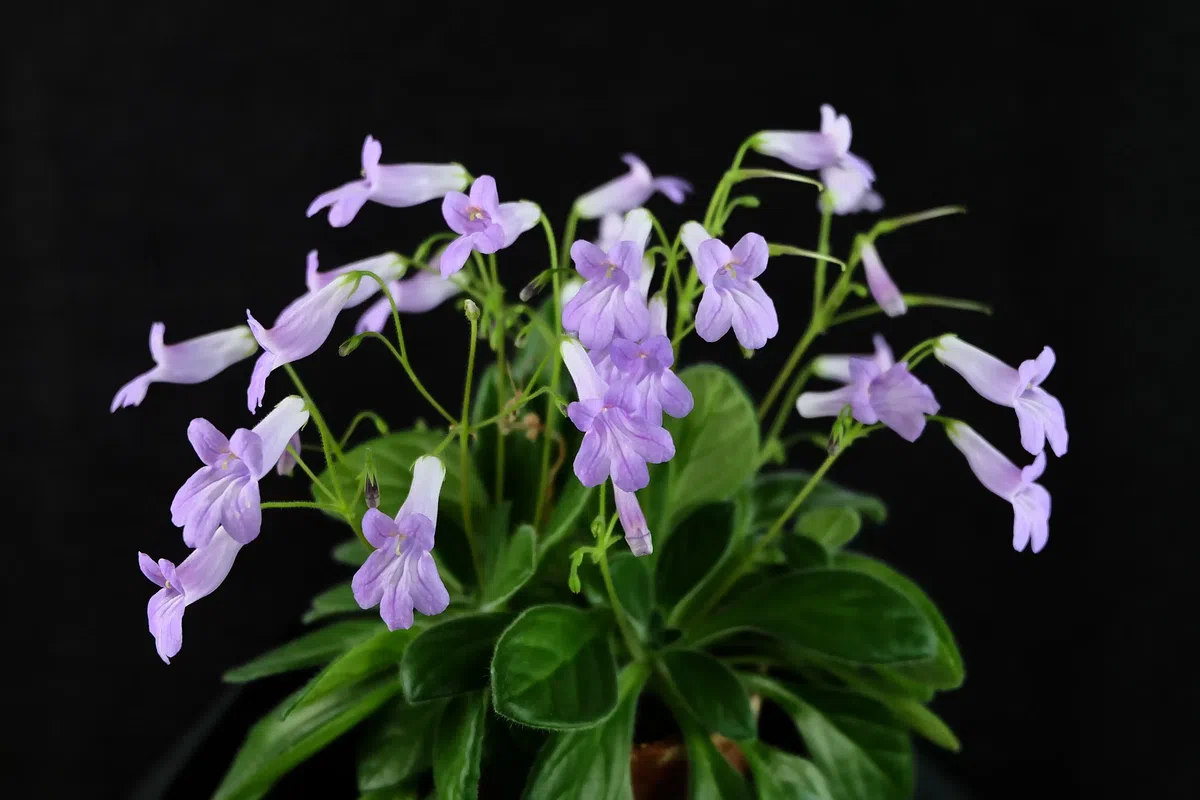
<point x="1039" y="413"/>
<point x="629" y="191"/>
<point x="633" y="521"/>
<point x="892" y="396"/>
<point x="613" y="300"/>
<point x="396" y="185"/>
<point x="191" y="361"/>
<point x="482" y="222"/>
<point x="847" y="177"/>
<point x="287" y="462"/>
<point x="198" y="576"/>
<point x="643" y="371"/>
<point x="1030" y="501"/>
<point x="732" y="296"/>
<point x="883" y="289"/>
<point x="224" y="492"/>
<point x="401" y="574"/>
<point x="617" y="442"/>
<point x="387" y="266"/>
<point x="299" y="330"/>
<point x="837" y="368"/>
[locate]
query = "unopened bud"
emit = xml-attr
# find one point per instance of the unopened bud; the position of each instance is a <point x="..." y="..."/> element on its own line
<point x="471" y="310"/>
<point x="531" y="290"/>
<point x="371" y="483"/>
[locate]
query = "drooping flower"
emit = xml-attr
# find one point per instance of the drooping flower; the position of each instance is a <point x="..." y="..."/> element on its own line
<point x="732" y="296"/>
<point x="1039" y="413"/>
<point x="837" y="368"/>
<point x="847" y="177"/>
<point x="224" y="492"/>
<point x="422" y="292"/>
<point x="198" y="576"/>
<point x="609" y="234"/>
<point x="401" y="575"/>
<point x="396" y="185"/>
<point x="388" y="266"/>
<point x="1030" y="501"/>
<point x="643" y="370"/>
<point x="299" y="330"/>
<point x="617" y="441"/>
<point x="629" y="191"/>
<point x="613" y="300"/>
<point x="892" y="396"/>
<point x="287" y="462"/>
<point x="882" y="287"/>
<point x="633" y="521"/>
<point x="482" y="222"/>
<point x="190" y="361"/>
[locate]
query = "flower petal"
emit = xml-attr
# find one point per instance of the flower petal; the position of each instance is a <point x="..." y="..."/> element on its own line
<point x="428" y="473"/>
<point x="208" y="442"/>
<point x="590" y="313"/>
<point x="379" y="529"/>
<point x="714" y="254"/>
<point x="633" y="522"/>
<point x="588" y="385"/>
<point x="752" y="314"/>
<point x="750" y="254"/>
<point x="715" y="314"/>
<point x="591" y="462"/>
<point x="517" y="218"/>
<point x="485" y="196"/>
<point x="429" y="594"/>
<point x="456" y="254"/>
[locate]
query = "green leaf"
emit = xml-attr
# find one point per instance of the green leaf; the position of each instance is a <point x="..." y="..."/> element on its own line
<point x="591" y="764"/>
<point x="458" y="746"/>
<point x="705" y="540"/>
<point x="712" y="693"/>
<point x="351" y="552"/>
<point x="831" y="527"/>
<point x="553" y="669"/>
<point x="515" y="568"/>
<point x="802" y="552"/>
<point x="309" y="650"/>
<point x="522" y="456"/>
<point x="774" y="493"/>
<point x="838" y="613"/>
<point x="857" y="742"/>
<point x="716" y="449"/>
<point x="381" y="651"/>
<point x="634" y="588"/>
<point x="394" y="455"/>
<point x="334" y="600"/>
<point x="398" y="792"/>
<point x="945" y="670"/>
<point x="710" y="776"/>
<point x="923" y="721"/>
<point x="275" y="745"/>
<point x="565" y="517"/>
<point x="783" y="776"/>
<point x="451" y="657"/>
<point x="398" y="745"/>
<point x="496" y="531"/>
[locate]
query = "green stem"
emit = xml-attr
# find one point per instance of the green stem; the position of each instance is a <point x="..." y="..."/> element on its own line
<point x="380" y="425"/>
<point x="327" y="440"/>
<point x="300" y="504"/>
<point x="716" y="204"/>
<point x="619" y="613"/>
<point x="311" y="476"/>
<point x="555" y="362"/>
<point x="501" y="380"/>
<point x="789" y="399"/>
<point x="464" y="455"/>
<point x="914" y="300"/>
<point x="822" y="249"/>
<point x="793" y="360"/>
<point x="556" y="256"/>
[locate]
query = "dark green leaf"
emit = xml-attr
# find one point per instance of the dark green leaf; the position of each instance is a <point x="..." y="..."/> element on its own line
<point x="380" y="652"/>
<point x="451" y="657"/>
<point x="860" y="746"/>
<point x="553" y="669"/>
<point x="802" y="552"/>
<point x="401" y="791"/>
<point x="334" y="600"/>
<point x="591" y="764"/>
<point x="923" y="721"/>
<point x="522" y="456"/>
<point x="351" y="552"/>
<point x="458" y="746"/>
<point x="839" y="613"/>
<point x="705" y="539"/>
<point x="634" y="589"/>
<point x="716" y="449"/>
<point x="712" y="693"/>
<point x="566" y="515"/>
<point x="496" y="531"/>
<point x="774" y="492"/>
<point x="830" y="527"/>
<point x="515" y="568"/>
<point x="275" y="745"/>
<point x="398" y="745"/>
<point x="710" y="776"/>
<point x="309" y="650"/>
<point x="783" y="776"/>
<point x="945" y="670"/>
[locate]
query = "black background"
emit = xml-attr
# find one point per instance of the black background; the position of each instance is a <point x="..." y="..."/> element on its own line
<point x="158" y="162"/>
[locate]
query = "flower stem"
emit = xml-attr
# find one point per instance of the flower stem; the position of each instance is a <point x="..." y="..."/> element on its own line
<point x="311" y="476"/>
<point x="619" y="613"/>
<point x="716" y="204"/>
<point x="501" y="379"/>
<point x="555" y="361"/>
<point x="788" y="399"/>
<point x="464" y="456"/>
<point x="814" y="328"/>
<point x="299" y="504"/>
<point x="380" y="425"/>
<point x="914" y="300"/>
<point x="822" y="249"/>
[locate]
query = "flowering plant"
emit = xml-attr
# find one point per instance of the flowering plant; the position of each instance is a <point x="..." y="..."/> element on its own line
<point x="493" y="613"/>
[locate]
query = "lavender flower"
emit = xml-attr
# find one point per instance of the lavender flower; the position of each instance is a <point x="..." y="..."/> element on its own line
<point x="1030" y="501"/>
<point x="837" y="368"/>
<point x="299" y="330"/>
<point x="198" y="576"/>
<point x="191" y="361"/>
<point x="732" y="296"/>
<point x="643" y="369"/>
<point x="287" y="462"/>
<point x="1039" y="413"/>
<point x="609" y="234"/>
<point x="224" y="492"/>
<point x="892" y="396"/>
<point x="883" y="289"/>
<point x="633" y="521"/>
<point x="613" y="300"/>
<point x="617" y="442"/>
<point x="847" y="177"/>
<point x="396" y="185"/>
<point x="401" y="575"/>
<point x="483" y="222"/>
<point x="629" y="191"/>
<point x="387" y="266"/>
